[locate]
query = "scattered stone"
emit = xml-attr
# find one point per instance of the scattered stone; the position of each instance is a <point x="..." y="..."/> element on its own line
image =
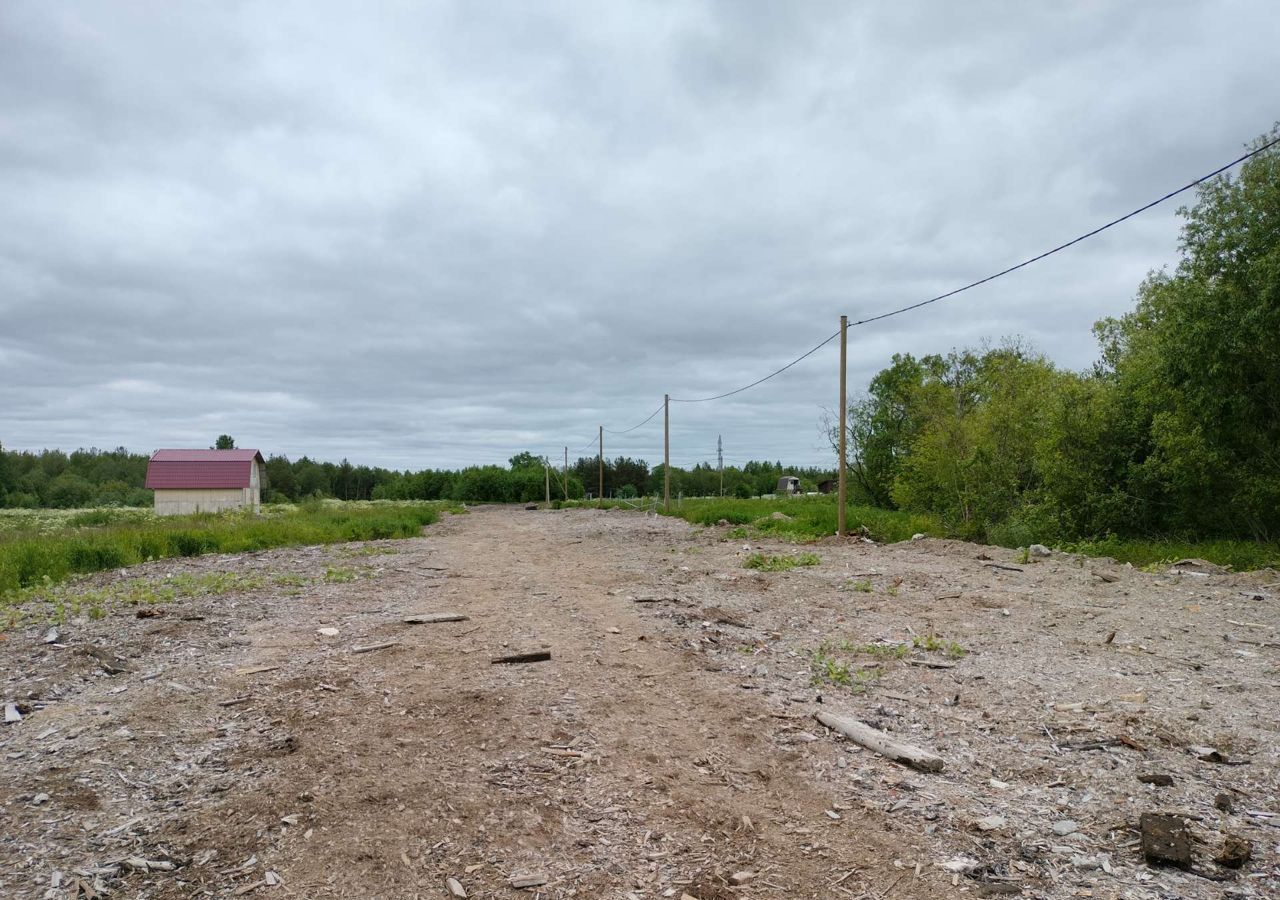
<point x="527" y="880"/>
<point x="107" y="661"/>
<point x="613" y="629"/>
<point x="917" y="536"/>
<point x="327" y="632"/>
<point x="39" y="799"/>
<point x="1065" y="827"/>
<point x="1196" y="567"/>
<point x="271" y="878"/>
<point x="11" y="713"/>
<point x="990" y="823"/>
<point x="1159" y="779"/>
<point x="1087" y="863"/>
<point x="1224" y="802"/>
<point x="1235" y="852"/>
<point x="1208" y="754"/>
<point x="741" y="877"/>
<point x="454" y="885"/>
<point x="1165" y="841"/>
<point x="1040" y="551"/>
<point x="52" y="636"/>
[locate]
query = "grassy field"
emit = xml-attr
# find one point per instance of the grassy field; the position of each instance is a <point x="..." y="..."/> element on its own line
<point x="807" y="518"/>
<point x="810" y="518"/>
<point x="44" y="547"/>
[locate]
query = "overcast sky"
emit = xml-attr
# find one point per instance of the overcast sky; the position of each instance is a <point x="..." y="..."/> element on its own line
<point x="431" y="234"/>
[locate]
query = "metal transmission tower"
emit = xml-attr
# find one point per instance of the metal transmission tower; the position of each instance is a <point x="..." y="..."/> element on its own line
<point x="720" y="461"/>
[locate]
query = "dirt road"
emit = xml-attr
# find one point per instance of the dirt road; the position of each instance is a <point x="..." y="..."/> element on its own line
<point x="668" y="747"/>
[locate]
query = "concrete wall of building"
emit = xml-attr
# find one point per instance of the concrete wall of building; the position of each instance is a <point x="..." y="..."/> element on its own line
<point x="185" y="502"/>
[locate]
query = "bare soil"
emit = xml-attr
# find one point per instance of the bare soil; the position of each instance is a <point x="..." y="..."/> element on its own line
<point x="668" y="745"/>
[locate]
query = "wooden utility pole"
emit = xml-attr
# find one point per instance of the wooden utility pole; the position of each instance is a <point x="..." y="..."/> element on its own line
<point x="844" y="412"/>
<point x="601" y="496"/>
<point x="546" y="471"/>
<point x="565" y="473"/>
<point x="666" y="452"/>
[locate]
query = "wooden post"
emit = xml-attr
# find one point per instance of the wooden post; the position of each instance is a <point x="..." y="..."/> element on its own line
<point x="844" y="486"/>
<point x="565" y="473"/>
<point x="546" y="471"/>
<point x="666" y="452"/>
<point x="600" y="498"/>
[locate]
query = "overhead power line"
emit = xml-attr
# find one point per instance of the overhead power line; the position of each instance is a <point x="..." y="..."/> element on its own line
<point x="981" y="281"/>
<point x="748" y="387"/>
<point x="1088" y="234"/>
<point x="647" y="420"/>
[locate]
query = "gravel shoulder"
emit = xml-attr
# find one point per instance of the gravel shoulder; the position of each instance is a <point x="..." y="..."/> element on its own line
<point x="669" y="745"/>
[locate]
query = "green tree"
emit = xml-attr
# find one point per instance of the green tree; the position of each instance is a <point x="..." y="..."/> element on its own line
<point x="224" y="442"/>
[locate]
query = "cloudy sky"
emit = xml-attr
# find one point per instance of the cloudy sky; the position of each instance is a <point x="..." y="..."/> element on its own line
<point x="433" y="234"/>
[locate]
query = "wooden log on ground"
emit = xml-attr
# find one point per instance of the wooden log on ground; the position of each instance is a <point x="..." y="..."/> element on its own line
<point x="434" y="618"/>
<point x="535" y="656"/>
<point x="371" y="647"/>
<point x="863" y="734"/>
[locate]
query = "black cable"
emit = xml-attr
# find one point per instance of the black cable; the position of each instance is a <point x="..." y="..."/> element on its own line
<point x="634" y="427"/>
<point x="1002" y="272"/>
<point x="970" y="286"/>
<point x="1073" y="241"/>
<point x="765" y="378"/>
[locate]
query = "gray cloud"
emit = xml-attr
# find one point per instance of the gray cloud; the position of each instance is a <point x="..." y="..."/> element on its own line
<point x="421" y="236"/>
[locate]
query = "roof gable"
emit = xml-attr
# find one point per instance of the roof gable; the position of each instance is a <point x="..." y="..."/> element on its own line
<point x="196" y="469"/>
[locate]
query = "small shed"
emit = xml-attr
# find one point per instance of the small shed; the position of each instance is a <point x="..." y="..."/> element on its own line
<point x="192" y="481"/>
<point x="788" y="484"/>
<point x="827" y="486"/>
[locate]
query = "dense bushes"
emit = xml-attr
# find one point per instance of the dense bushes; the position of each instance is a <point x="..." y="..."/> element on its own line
<point x="1174" y="431"/>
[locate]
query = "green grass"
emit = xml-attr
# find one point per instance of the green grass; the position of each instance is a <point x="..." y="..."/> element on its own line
<point x="766" y="563"/>
<point x="42" y="554"/>
<point x="827" y="668"/>
<point x="810" y="518"/>
<point x="55" y="604"/>
<point x="1158" y="553"/>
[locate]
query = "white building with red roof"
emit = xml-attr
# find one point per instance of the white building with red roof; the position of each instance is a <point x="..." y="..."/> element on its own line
<point x="192" y="481"/>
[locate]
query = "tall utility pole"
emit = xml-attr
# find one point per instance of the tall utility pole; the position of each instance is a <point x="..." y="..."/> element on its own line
<point x="601" y="495"/>
<point x="666" y="452"/>
<point x="720" y="461"/>
<point x="546" y="471"/>
<point x="565" y="473"/>
<point x="844" y="351"/>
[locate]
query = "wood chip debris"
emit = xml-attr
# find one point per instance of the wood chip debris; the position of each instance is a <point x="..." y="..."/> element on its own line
<point x="256" y="670"/>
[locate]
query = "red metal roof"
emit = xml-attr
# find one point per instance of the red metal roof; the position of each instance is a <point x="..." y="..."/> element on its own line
<point x="181" y="469"/>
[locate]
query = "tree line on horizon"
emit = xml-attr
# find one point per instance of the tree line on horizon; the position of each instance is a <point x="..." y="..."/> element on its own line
<point x="93" y="477"/>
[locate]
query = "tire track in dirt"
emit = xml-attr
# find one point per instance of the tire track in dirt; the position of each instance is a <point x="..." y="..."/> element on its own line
<point x="423" y="761"/>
